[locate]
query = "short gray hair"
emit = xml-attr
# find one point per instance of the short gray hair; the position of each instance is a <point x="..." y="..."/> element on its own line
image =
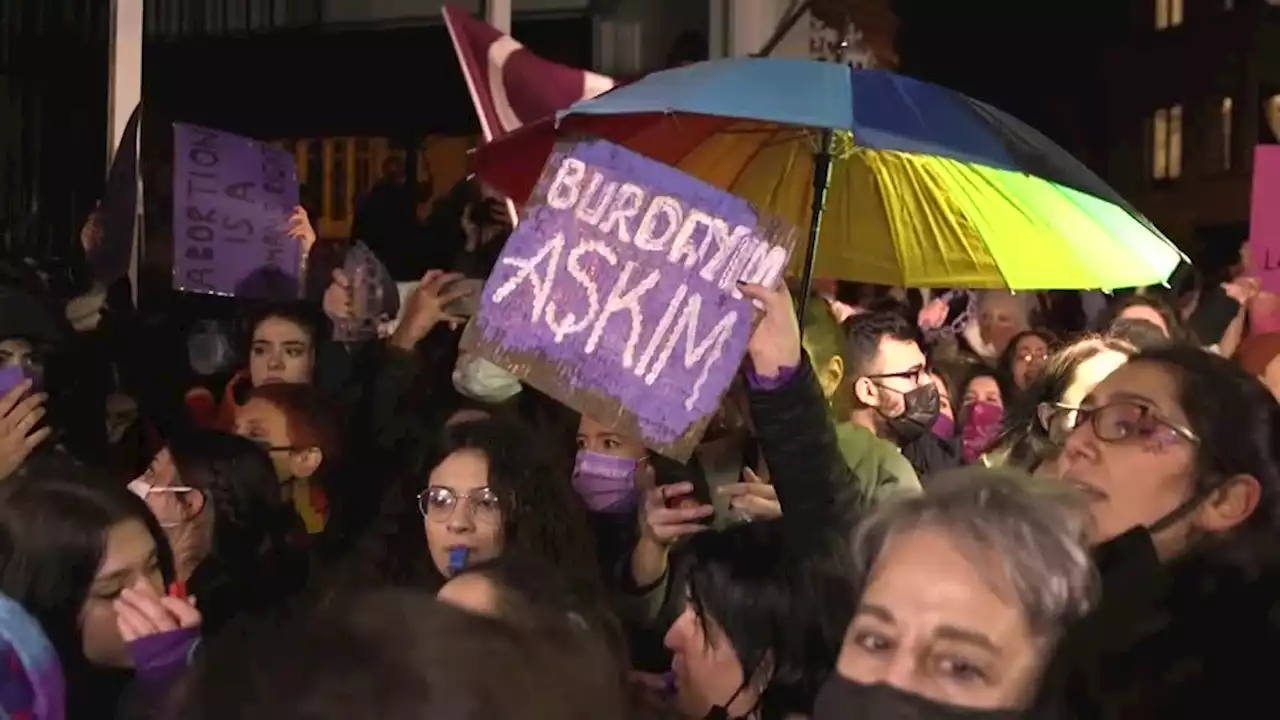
<point x="1019" y="303"/>
<point x="1037" y="528"/>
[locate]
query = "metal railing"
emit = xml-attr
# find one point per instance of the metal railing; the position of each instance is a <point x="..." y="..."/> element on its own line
<point x="173" y="19"/>
<point x="53" y="57"/>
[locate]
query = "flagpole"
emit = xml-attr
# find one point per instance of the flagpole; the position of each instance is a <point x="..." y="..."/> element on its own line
<point x="124" y="93"/>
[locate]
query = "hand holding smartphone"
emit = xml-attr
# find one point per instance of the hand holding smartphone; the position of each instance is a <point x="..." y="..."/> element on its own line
<point x="722" y="463"/>
<point x="468" y="304"/>
<point x="21" y="410"/>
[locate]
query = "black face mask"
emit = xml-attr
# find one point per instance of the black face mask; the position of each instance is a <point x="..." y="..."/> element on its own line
<point x="920" y="411"/>
<point x="844" y="699"/>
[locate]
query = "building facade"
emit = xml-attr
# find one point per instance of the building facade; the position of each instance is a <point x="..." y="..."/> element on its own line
<point x="742" y="27"/>
<point x="53" y="120"/>
<point x="1191" y="89"/>
<point x="345" y="82"/>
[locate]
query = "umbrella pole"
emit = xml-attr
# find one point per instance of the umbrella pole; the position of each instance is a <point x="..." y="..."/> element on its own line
<point x="821" y="181"/>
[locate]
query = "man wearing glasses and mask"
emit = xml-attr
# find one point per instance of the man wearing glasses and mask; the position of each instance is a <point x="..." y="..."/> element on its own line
<point x="893" y="396"/>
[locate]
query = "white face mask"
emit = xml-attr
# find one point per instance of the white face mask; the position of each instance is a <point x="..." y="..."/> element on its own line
<point x="144" y="490"/>
<point x="481" y="380"/>
<point x="208" y="350"/>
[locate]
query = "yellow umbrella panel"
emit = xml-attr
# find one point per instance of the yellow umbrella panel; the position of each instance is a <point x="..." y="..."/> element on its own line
<point x="917" y="220"/>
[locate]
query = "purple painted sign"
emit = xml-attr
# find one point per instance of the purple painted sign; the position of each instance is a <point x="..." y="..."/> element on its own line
<point x="617" y="293"/>
<point x="232" y="197"/>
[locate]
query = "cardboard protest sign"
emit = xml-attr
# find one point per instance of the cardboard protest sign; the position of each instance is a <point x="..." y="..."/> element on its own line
<point x="617" y="293"/>
<point x="109" y="259"/>
<point x="232" y="197"/>
<point x="374" y="298"/>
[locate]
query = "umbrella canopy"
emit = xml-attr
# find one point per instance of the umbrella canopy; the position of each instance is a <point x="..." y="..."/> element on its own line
<point x="928" y="187"/>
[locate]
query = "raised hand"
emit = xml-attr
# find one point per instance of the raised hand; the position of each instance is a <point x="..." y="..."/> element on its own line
<point x="20" y="412"/>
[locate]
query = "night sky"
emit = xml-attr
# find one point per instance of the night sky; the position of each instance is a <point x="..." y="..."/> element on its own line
<point x="1037" y="60"/>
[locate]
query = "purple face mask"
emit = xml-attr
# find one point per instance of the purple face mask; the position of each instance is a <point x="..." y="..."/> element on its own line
<point x="606" y="483"/>
<point x="944" y="427"/>
<point x="982" y="425"/>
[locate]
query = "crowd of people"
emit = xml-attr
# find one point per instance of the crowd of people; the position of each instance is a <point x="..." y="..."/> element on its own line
<point x="961" y="504"/>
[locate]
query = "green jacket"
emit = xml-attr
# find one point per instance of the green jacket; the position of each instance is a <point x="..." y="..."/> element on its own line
<point x="877" y="464"/>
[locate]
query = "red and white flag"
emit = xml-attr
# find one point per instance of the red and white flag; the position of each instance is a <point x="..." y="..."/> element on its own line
<point x="509" y="85"/>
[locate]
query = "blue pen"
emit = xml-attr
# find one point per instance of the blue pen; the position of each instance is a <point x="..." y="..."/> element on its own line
<point x="458" y="559"/>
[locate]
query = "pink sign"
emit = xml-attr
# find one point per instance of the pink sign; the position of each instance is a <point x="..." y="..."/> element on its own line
<point x="1264" y="218"/>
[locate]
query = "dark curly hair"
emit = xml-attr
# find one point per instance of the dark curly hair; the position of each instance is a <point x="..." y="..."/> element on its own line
<point x="528" y="589"/>
<point x="301" y="314"/>
<point x="542" y="516"/>
<point x="239" y="482"/>
<point x="251" y="567"/>
<point x="397" y="654"/>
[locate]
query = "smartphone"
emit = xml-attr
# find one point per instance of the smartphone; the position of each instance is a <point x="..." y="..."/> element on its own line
<point x="469" y="304"/>
<point x="722" y="461"/>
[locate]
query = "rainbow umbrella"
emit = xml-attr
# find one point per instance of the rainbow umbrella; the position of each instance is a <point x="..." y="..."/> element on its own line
<point x="924" y="187"/>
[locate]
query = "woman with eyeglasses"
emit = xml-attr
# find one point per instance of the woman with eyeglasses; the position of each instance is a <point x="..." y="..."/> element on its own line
<point x="217" y="499"/>
<point x="1032" y="433"/>
<point x="87" y="560"/>
<point x="1176" y="452"/>
<point x="487" y="490"/>
<point x="301" y="433"/>
<point x="1024" y="358"/>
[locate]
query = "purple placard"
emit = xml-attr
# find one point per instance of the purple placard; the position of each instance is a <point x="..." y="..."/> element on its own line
<point x="232" y="197"/>
<point x="617" y="294"/>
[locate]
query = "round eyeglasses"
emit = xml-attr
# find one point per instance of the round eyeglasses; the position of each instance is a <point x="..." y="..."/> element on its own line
<point x="438" y="504"/>
<point x="1114" y="422"/>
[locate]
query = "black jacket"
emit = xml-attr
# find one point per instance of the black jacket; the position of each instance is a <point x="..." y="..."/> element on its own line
<point x="1198" y="638"/>
<point x="817" y="490"/>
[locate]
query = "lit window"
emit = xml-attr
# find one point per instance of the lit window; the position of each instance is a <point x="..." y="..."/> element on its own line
<point x="1169" y="13"/>
<point x="1175" y="139"/>
<point x="1226" y="121"/>
<point x="1160" y="145"/>
<point x="1166" y="143"/>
